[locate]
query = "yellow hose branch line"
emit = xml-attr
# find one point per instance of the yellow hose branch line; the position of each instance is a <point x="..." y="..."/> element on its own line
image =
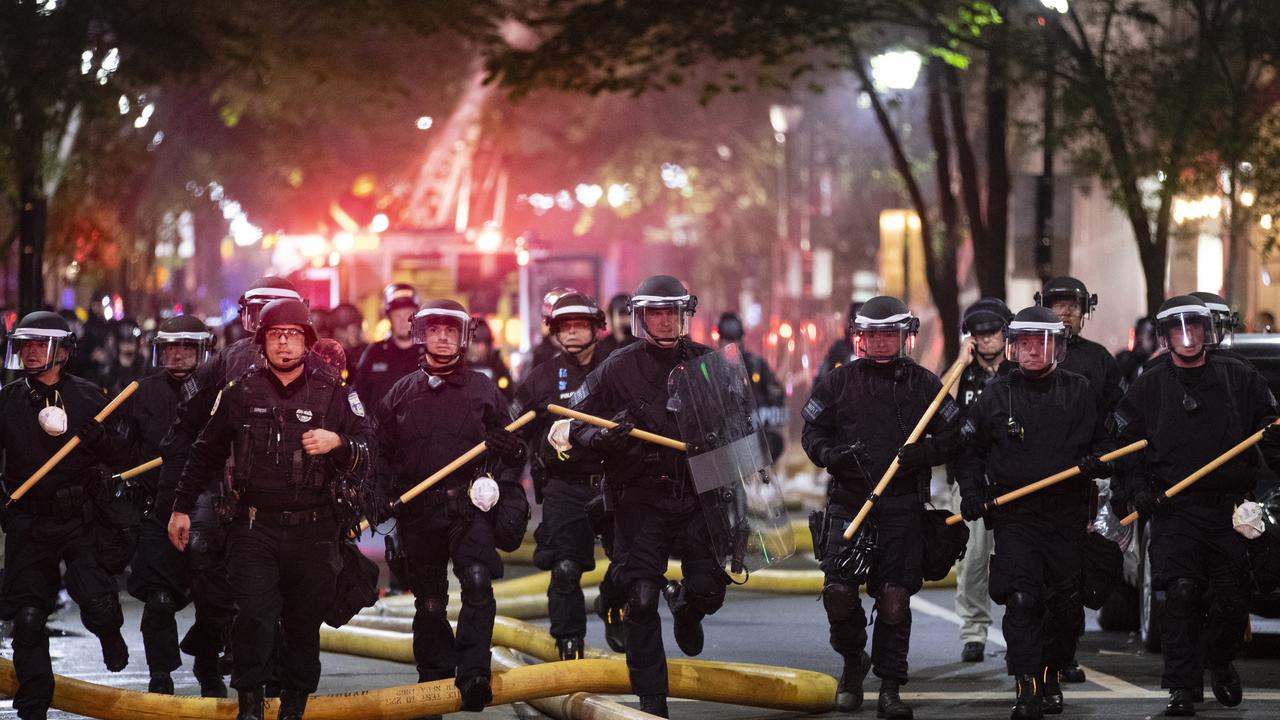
<point x="523" y="555"/>
<point x="735" y="683"/>
<point x="578" y="706"/>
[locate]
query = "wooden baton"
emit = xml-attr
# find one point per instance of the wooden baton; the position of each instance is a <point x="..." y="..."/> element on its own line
<point x="147" y="466"/>
<point x="601" y="422"/>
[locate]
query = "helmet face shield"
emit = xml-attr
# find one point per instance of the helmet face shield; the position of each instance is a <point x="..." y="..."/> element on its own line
<point x="885" y="339"/>
<point x="180" y="353"/>
<point x="661" y="320"/>
<point x="1188" y="330"/>
<point x="1036" y="349"/>
<point x="254" y="299"/>
<point x="34" y="350"/>
<point x="427" y="318"/>
<point x="1224" y="326"/>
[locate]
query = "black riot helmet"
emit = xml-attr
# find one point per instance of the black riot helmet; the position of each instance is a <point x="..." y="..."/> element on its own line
<point x="443" y="312"/>
<point x="482" y="334"/>
<point x="662" y="294"/>
<point x="1036" y="340"/>
<point x="1176" y="324"/>
<point x="884" y="314"/>
<point x="345" y="314"/>
<point x="549" y="303"/>
<point x="1225" y="322"/>
<point x="1067" y="288"/>
<point x="576" y="306"/>
<point x="285" y="312"/>
<point x="730" y="328"/>
<point x="987" y="315"/>
<point x="39" y="328"/>
<point x="186" y="331"/>
<point x="399" y="295"/>
<point x="262" y="291"/>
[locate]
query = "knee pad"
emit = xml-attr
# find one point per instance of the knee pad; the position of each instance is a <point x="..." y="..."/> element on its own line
<point x="893" y="604"/>
<point x="103" y="614"/>
<point x="161" y="602"/>
<point x="642" y="599"/>
<point x="565" y="577"/>
<point x="435" y="608"/>
<point x="1022" y="607"/>
<point x="703" y="593"/>
<point x="476" y="584"/>
<point x="1182" y="597"/>
<point x="841" y="602"/>
<point x="28" y="625"/>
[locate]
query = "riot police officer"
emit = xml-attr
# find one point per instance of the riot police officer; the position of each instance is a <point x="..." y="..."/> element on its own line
<point x="384" y="362"/>
<point x="1142" y="346"/>
<point x="197" y="396"/>
<point x="619" y="322"/>
<point x="857" y="418"/>
<point x="1225" y="320"/>
<point x="487" y="359"/>
<point x="1191" y="405"/>
<point x="425" y="421"/>
<point x="1029" y="424"/>
<point x="1072" y="302"/>
<point x="770" y="396"/>
<point x="564" y="481"/>
<point x="547" y="347"/>
<point x="348" y="330"/>
<point x="984" y="324"/>
<point x="297" y="433"/>
<point x="54" y="523"/>
<point x="657" y="509"/>
<point x="841" y="351"/>
<point x="159" y="576"/>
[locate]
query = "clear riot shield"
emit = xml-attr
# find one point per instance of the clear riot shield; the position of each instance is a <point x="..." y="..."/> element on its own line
<point x="728" y="455"/>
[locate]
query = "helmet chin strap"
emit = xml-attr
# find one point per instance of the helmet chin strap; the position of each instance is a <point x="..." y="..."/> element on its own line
<point x="448" y="363"/>
<point x="576" y="350"/>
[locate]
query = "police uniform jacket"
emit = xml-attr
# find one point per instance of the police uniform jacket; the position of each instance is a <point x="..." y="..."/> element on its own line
<point x="264" y="421"/>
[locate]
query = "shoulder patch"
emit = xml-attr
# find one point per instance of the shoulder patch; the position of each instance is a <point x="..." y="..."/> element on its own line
<point x="949" y="408"/>
<point x="812" y="409"/>
<point x="357" y="407"/>
<point x="968" y="429"/>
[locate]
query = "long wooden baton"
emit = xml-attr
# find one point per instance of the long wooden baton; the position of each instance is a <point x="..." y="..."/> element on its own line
<point x="134" y="472"/>
<point x="601" y="422"/>
<point x="449" y="469"/>
<point x="951" y="377"/>
<point x="1216" y="463"/>
<point x="1052" y="479"/>
<point x="72" y="444"/>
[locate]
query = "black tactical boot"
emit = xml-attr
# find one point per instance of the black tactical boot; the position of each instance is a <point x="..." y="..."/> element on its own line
<point x="1072" y="673"/>
<point x="1180" y="704"/>
<point x="654" y="705"/>
<point x="849" y="695"/>
<point x="250" y="704"/>
<point x="1027" y="705"/>
<point x="1051" y="693"/>
<point x="161" y="683"/>
<point x="1226" y="685"/>
<point x="292" y="704"/>
<point x="615" y="630"/>
<point x="208" y="674"/>
<point x="476" y="693"/>
<point x="688" y="622"/>
<point x="115" y="652"/>
<point x="973" y="652"/>
<point x="891" y="706"/>
<point x="571" y="648"/>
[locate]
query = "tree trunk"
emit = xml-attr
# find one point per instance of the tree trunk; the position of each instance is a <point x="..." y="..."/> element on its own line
<point x="995" y="254"/>
<point x="950" y="211"/>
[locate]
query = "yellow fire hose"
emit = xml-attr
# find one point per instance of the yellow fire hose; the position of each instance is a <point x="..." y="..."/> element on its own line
<point x="735" y="683"/>
<point x="523" y="555"/>
<point x="578" y="706"/>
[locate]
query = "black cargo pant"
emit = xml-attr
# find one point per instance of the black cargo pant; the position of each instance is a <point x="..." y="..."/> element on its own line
<point x="1037" y="573"/>
<point x="282" y="575"/>
<point x="434" y="529"/>
<point x="564" y="537"/>
<point x="896" y="575"/>
<point x="653" y="522"/>
<point x="1198" y="561"/>
<point x="210" y="591"/>
<point x="34" y="548"/>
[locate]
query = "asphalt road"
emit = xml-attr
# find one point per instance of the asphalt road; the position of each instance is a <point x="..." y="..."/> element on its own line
<point x="791" y="630"/>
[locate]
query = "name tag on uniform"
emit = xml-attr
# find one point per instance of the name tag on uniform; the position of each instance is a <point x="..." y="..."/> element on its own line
<point x="378" y="367"/>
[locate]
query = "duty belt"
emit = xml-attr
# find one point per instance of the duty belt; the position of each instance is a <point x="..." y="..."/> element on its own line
<point x="284" y="518"/>
<point x="65" y="504"/>
<point x="433" y="496"/>
<point x="592" y="479"/>
<point x="1211" y="499"/>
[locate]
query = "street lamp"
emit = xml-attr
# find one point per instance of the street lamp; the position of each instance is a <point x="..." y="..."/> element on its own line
<point x="895" y="69"/>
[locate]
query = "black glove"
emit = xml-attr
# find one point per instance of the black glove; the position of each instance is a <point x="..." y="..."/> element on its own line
<point x="614" y="439"/>
<point x="845" y="457"/>
<point x="1271" y="438"/>
<point x="507" y="446"/>
<point x="92" y="434"/>
<point x="1148" y="502"/>
<point x="973" y="506"/>
<point x="916" y="455"/>
<point x="1093" y="468"/>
